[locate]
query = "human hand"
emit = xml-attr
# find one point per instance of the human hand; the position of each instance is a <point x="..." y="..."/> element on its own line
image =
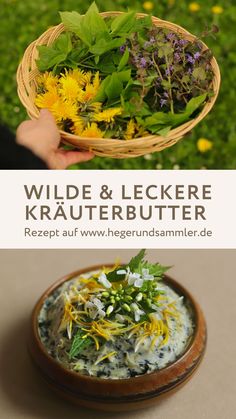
<point x="42" y="137"/>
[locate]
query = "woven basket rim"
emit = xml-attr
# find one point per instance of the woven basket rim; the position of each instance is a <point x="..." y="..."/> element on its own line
<point x="27" y="75"/>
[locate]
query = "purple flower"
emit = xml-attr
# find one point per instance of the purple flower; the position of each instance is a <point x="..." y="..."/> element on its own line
<point x="177" y="57"/>
<point x="163" y="102"/>
<point x="190" y="59"/>
<point x="143" y="62"/>
<point x="169" y="70"/>
<point x="150" y="42"/>
<point x="183" y="42"/>
<point x="196" y="55"/>
<point x="170" y="36"/>
<point x="166" y="94"/>
<point x="122" y="49"/>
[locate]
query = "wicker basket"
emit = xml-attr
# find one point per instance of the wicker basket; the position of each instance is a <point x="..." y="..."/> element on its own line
<point x="108" y="147"/>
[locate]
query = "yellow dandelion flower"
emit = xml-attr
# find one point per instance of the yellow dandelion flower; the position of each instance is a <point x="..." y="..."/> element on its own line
<point x="204" y="145"/>
<point x="80" y="76"/>
<point x="96" y="81"/>
<point x="95" y="107"/>
<point x="87" y="76"/>
<point x="142" y="132"/>
<point x="69" y="88"/>
<point x="92" y="131"/>
<point x="88" y="94"/>
<point x="148" y="6"/>
<point x="217" y="10"/>
<point x="47" y="100"/>
<point x="130" y="130"/>
<point x="63" y="110"/>
<point x="78" y="126"/>
<point x="194" y="7"/>
<point x="47" y="80"/>
<point x="107" y="115"/>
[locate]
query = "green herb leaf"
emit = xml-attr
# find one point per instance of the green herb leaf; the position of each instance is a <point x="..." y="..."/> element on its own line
<point x="114" y="88"/>
<point x="143" y="23"/>
<point x="194" y="103"/>
<point x="94" y="22"/>
<point x="124" y="60"/>
<point x="101" y="95"/>
<point x="114" y="277"/>
<point x="199" y="73"/>
<point x="136" y="260"/>
<point x="89" y="27"/>
<point x="123" y="24"/>
<point x="155" y="269"/>
<point x="74" y="22"/>
<point x="63" y="43"/>
<point x="124" y="76"/>
<point x="158" y="118"/>
<point x="55" y="54"/>
<point x="103" y="45"/>
<point x="160" y="121"/>
<point x="79" y="343"/>
<point x="165" y="131"/>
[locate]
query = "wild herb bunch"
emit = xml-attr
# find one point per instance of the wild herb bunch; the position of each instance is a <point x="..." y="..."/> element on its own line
<point x="121" y="77"/>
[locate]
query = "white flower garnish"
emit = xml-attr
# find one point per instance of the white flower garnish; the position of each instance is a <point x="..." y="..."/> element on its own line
<point x="104" y="281"/>
<point x="120" y="318"/>
<point x="138" y="279"/>
<point x="121" y="272"/>
<point x="137" y="311"/>
<point x="146" y="276"/>
<point x="95" y="308"/>
<point x="133" y="279"/>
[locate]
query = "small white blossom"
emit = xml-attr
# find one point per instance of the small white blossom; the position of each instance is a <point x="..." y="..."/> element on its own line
<point x="137" y="312"/>
<point x="104" y="281"/>
<point x="121" y="272"/>
<point x="146" y="276"/>
<point x="95" y="308"/>
<point x="120" y="318"/>
<point x="132" y="278"/>
<point x="138" y="283"/>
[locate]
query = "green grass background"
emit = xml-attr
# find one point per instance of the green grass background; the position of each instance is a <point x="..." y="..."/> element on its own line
<point x="23" y="21"/>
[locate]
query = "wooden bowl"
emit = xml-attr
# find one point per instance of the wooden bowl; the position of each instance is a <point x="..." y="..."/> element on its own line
<point x="121" y="394"/>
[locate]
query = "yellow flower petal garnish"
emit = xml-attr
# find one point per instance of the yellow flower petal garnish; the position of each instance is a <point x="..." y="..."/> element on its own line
<point x="105" y="357"/>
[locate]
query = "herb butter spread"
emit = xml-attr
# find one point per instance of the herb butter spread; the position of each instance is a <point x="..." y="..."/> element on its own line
<point x="116" y="323"/>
